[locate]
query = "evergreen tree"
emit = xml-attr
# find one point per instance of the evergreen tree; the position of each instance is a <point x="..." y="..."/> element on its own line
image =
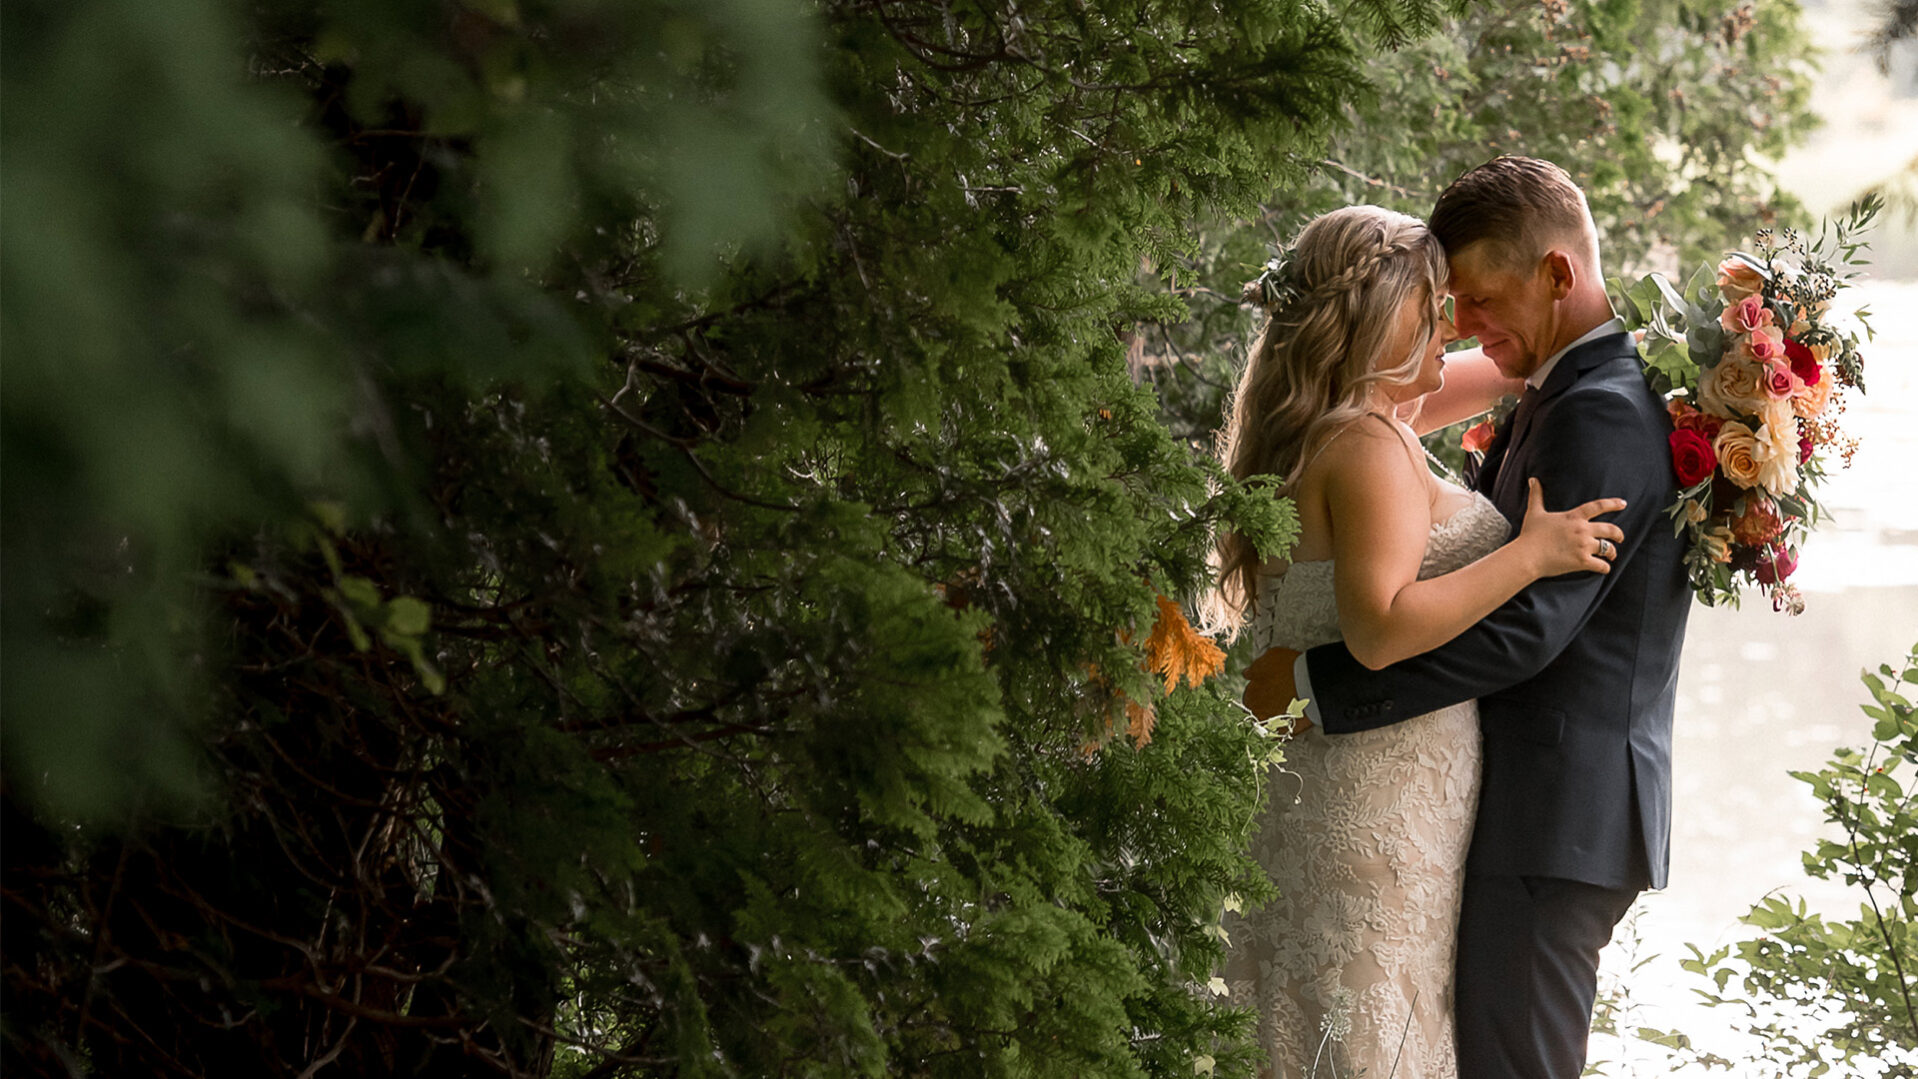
<point x="634" y="521"/>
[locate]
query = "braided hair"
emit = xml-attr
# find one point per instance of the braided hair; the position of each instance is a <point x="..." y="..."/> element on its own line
<point x="1331" y="305"/>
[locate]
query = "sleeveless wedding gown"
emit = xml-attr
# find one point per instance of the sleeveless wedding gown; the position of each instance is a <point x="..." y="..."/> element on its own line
<point x="1365" y="837"/>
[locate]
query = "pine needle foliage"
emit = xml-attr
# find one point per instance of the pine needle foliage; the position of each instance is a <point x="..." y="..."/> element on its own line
<point x="547" y="537"/>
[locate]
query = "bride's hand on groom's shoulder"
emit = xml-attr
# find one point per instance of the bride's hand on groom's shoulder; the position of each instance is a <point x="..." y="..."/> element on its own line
<point x="1269" y="687"/>
<point x="1572" y="541"/>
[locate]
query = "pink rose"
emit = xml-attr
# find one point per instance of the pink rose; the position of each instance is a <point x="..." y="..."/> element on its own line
<point x="1746" y="315"/>
<point x="1766" y="344"/>
<point x="1779" y="382"/>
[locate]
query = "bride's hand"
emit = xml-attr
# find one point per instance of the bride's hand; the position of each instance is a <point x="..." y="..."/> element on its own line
<point x="1571" y="541"/>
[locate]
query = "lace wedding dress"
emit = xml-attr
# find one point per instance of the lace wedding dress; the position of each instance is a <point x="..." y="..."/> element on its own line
<point x="1350" y="969"/>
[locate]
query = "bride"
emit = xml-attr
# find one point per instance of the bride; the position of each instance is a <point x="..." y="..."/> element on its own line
<point x="1365" y="835"/>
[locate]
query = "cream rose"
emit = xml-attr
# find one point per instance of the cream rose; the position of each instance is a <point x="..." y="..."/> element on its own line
<point x="1732" y="386"/>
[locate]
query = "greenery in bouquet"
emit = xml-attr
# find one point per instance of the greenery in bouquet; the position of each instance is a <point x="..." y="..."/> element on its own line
<point x="1756" y="376"/>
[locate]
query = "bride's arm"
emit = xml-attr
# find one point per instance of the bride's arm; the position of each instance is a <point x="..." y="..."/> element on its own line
<point x="1473" y="383"/>
<point x="1379" y="503"/>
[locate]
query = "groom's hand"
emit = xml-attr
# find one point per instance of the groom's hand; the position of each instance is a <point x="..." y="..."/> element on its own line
<point x="1269" y="687"/>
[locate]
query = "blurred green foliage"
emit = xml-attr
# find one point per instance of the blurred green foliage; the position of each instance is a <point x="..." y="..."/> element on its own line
<point x="209" y="277"/>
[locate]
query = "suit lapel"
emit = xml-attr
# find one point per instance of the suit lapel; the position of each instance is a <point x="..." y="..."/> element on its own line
<point x="1571" y="367"/>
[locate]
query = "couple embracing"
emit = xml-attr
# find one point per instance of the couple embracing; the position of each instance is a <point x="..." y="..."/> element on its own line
<point x="1484" y="786"/>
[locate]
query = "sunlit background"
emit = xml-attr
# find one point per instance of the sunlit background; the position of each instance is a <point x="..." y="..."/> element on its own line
<point x="1760" y="693"/>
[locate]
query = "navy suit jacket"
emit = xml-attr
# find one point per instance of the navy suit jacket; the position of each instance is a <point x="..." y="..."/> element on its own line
<point x="1576" y="675"/>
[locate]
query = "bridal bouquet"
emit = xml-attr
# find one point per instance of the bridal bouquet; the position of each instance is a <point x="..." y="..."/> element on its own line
<point x="1755" y="380"/>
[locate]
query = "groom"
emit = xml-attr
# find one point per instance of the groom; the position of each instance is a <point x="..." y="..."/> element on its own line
<point x="1576" y="675"/>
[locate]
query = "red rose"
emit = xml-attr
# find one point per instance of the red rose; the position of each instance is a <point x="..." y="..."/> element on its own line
<point x="1804" y="449"/>
<point x="1692" y="457"/>
<point x="1776" y="564"/>
<point x="1803" y="363"/>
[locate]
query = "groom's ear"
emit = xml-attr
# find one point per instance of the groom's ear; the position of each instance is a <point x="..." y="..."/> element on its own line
<point x="1561" y="272"/>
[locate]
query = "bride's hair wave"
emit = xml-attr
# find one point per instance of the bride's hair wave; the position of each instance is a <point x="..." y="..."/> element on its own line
<point x="1314" y="366"/>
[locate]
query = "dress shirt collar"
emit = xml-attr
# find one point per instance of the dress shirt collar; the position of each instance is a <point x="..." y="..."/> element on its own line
<point x="1609" y="326"/>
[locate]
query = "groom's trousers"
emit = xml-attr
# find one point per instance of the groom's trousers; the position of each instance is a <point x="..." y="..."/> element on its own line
<point x="1528" y="973"/>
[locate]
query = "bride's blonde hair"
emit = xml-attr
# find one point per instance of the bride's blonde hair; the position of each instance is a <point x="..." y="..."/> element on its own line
<point x="1315" y="365"/>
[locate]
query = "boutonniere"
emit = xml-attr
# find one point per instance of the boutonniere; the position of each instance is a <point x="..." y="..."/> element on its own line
<point x="1478" y="437"/>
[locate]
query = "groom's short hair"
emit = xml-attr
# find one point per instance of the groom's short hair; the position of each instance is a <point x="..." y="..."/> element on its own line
<point x="1520" y="204"/>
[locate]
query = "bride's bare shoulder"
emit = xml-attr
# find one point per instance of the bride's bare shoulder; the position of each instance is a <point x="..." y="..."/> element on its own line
<point x="1367" y="451"/>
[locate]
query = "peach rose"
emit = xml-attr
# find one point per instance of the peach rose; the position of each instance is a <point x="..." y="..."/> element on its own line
<point x="1694" y="512"/>
<point x="1738" y="279"/>
<point x="1810" y="400"/>
<point x="1737" y="449"/>
<point x="1746" y="315"/>
<point x="1731" y="386"/>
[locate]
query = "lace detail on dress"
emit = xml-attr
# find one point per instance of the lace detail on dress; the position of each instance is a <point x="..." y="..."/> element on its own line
<point x="1365" y="836"/>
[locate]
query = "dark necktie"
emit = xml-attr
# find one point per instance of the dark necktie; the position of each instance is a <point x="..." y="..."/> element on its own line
<point x="1486" y="474"/>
